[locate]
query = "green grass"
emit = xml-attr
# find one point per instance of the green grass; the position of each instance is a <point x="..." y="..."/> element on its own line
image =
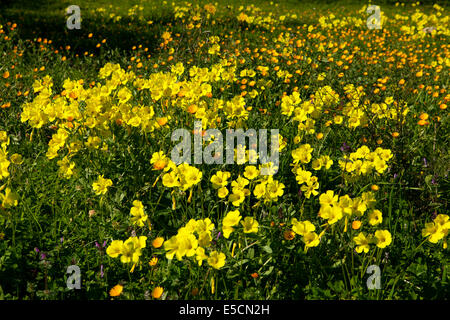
<point x="64" y="219"/>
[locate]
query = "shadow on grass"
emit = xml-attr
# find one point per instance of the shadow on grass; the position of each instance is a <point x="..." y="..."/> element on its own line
<point x="39" y="19"/>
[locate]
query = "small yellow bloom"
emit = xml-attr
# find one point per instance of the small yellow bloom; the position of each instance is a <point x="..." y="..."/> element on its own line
<point x="302" y="227"/>
<point x="16" y="158"/>
<point x="250" y="225"/>
<point x="216" y="259"/>
<point x="362" y="243"/>
<point x="375" y="217"/>
<point x="101" y="185"/>
<point x="311" y="239"/>
<point x="383" y="238"/>
<point x="153" y="262"/>
<point x="115" y="248"/>
<point x="137" y="211"/>
<point x="9" y="199"/>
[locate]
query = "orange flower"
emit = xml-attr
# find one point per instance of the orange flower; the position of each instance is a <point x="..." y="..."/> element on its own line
<point x="356" y="225"/>
<point x="6" y="75"/>
<point x="116" y="290"/>
<point x="422" y="122"/>
<point x="192" y="108"/>
<point x="157" y="242"/>
<point x="288" y="235"/>
<point x="162" y="121"/>
<point x="159" y="164"/>
<point x="255" y="275"/>
<point x="153" y="262"/>
<point x="157" y="292"/>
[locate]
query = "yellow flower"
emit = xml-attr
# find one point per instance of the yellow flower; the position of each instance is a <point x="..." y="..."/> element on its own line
<point x="4" y="139"/>
<point x="231" y="219"/>
<point x="220" y="179"/>
<point x="302" y="154"/>
<point x="375" y="217"/>
<point x="204" y="225"/>
<point x="331" y="213"/>
<point x="171" y="246"/>
<point x="250" y="225"/>
<point x="362" y="243"/>
<point x="153" y="262"/>
<point x="115" y="248"/>
<point x="131" y="249"/>
<point x="166" y="35"/>
<point x="443" y="221"/>
<point x="66" y="168"/>
<point x="157" y="292"/>
<point x="137" y="211"/>
<point x="16" y="158"/>
<point x="216" y="259"/>
<point x="310" y="187"/>
<point x="260" y="190"/>
<point x="186" y="244"/>
<point x="170" y="180"/>
<point x="302" y="227"/>
<point x="101" y="185"/>
<point x="200" y="255"/>
<point x="274" y="189"/>
<point x="9" y="199"/>
<point x="433" y="231"/>
<point x="251" y="172"/>
<point x="311" y="239"/>
<point x="237" y="197"/>
<point x="124" y="95"/>
<point x="383" y="238"/>
<point x="116" y="290"/>
<point x="328" y="198"/>
<point x="222" y="192"/>
<point x="159" y="161"/>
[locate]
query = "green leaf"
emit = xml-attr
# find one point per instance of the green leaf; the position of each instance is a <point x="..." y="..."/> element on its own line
<point x="267" y="249"/>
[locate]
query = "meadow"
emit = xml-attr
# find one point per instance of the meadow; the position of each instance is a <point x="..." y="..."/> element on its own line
<point x="94" y="206"/>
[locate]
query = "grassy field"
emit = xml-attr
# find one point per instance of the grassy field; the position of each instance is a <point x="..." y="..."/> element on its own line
<point x="357" y="207"/>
